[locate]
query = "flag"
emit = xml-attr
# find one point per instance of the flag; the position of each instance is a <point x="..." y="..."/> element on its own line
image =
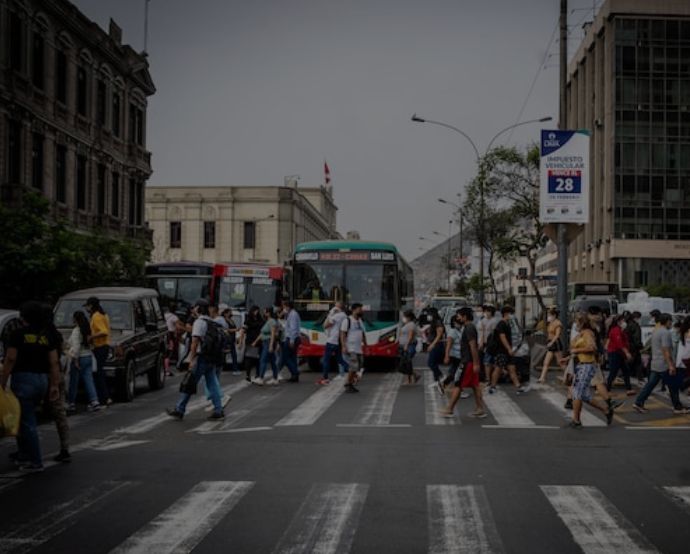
<point x="326" y="173"/>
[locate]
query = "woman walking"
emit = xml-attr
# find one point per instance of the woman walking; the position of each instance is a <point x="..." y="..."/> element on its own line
<point x="81" y="363"/>
<point x="268" y="339"/>
<point x="408" y="347"/>
<point x="554" y="346"/>
<point x="100" y="341"/>
<point x="251" y="331"/>
<point x="436" y="349"/>
<point x="618" y="350"/>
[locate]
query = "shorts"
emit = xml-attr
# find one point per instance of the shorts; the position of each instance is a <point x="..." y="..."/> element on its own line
<point x="488" y="359"/>
<point x="354" y="362"/>
<point x="582" y="387"/>
<point x="503" y="360"/>
<point x="556" y="346"/>
<point x="467" y="378"/>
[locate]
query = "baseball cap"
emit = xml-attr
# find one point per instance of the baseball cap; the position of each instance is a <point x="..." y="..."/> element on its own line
<point x="92" y="301"/>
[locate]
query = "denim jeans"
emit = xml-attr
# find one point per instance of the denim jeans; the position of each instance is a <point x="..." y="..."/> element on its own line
<point x="618" y="363"/>
<point x="267" y="357"/>
<point x="329" y="352"/>
<point x="233" y="354"/>
<point x="101" y="355"/>
<point x="654" y="378"/>
<point x="85" y="372"/>
<point x="206" y="370"/>
<point x="435" y="359"/>
<point x="30" y="389"/>
<point x="290" y="356"/>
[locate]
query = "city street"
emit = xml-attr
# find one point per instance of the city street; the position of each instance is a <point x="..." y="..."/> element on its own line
<point x="302" y="468"/>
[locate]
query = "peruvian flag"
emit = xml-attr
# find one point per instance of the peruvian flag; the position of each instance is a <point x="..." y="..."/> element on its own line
<point x="326" y="173"/>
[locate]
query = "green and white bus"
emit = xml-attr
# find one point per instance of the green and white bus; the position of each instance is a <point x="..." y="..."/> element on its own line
<point x="373" y="274"/>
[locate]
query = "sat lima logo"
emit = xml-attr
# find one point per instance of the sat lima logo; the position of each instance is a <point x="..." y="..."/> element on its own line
<point x="552" y="142"/>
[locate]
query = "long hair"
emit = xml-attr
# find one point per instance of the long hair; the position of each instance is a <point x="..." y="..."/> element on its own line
<point x="684" y="328"/>
<point x="84" y="327"/>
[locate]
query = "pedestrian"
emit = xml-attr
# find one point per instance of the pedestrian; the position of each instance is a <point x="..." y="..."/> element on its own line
<point x="408" y="347"/>
<point x="100" y="343"/>
<point x="662" y="367"/>
<point x="584" y="348"/>
<point x="332" y="327"/>
<point x="554" y="345"/>
<point x="203" y="362"/>
<point x="251" y="330"/>
<point x="32" y="359"/>
<point x="452" y="350"/>
<point x="268" y="341"/>
<point x="683" y="354"/>
<point x="500" y="345"/>
<point x="290" y="347"/>
<point x="634" y="332"/>
<point x="619" y="356"/>
<point x="185" y="344"/>
<point x="487" y="324"/>
<point x="353" y="339"/>
<point x="436" y="348"/>
<point x="230" y="360"/>
<point x="467" y="374"/>
<point x="81" y="363"/>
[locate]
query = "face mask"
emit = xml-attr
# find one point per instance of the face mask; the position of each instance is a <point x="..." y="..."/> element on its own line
<point x="550" y="319"/>
<point x="624" y="325"/>
<point x="487" y="315"/>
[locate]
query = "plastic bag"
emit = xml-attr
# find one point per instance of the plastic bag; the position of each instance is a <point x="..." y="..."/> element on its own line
<point x="10" y="413"/>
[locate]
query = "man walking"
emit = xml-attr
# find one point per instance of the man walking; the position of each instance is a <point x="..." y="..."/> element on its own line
<point x="353" y="338"/>
<point x="332" y="327"/>
<point x="291" y="341"/>
<point x="203" y="361"/>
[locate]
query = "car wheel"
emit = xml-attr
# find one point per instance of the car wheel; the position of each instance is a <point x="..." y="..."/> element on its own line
<point x="127" y="381"/>
<point x="156" y="375"/>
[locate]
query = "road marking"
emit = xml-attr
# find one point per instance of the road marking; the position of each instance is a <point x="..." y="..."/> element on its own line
<point x="326" y="521"/>
<point x="595" y="523"/>
<point x="646" y="428"/>
<point x="434" y="403"/>
<point x="460" y="520"/>
<point x="234" y="417"/>
<point x="557" y="399"/>
<point x="26" y="537"/>
<point x="680" y="494"/>
<point x="376" y="425"/>
<point x="521" y="426"/>
<point x="379" y="407"/>
<point x="505" y="411"/>
<point x="237" y="430"/>
<point x="309" y="411"/>
<point x="148" y="424"/>
<point x="184" y="524"/>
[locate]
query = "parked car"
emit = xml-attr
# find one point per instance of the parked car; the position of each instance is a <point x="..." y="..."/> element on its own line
<point x="138" y="334"/>
<point x="9" y="321"/>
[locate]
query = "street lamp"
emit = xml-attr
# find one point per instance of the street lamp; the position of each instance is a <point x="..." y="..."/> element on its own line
<point x="482" y="177"/>
<point x="450" y="230"/>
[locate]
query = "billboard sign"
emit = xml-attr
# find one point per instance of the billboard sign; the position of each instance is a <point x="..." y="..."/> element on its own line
<point x="564" y="183"/>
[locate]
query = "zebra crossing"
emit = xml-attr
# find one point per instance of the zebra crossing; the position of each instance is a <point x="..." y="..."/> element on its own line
<point x="459" y="518"/>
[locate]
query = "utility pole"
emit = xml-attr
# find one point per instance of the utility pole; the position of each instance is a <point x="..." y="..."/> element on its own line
<point x="562" y="283"/>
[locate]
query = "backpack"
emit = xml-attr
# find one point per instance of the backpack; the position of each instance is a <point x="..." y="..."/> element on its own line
<point x="493" y="344"/>
<point x="213" y="344"/>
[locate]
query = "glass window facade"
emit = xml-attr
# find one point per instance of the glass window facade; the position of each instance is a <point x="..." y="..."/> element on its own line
<point x="652" y="111"/>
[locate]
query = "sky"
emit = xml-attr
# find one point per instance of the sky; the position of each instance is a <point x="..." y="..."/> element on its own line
<point x="251" y="91"/>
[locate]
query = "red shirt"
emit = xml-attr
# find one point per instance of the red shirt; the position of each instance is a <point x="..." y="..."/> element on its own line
<point x="618" y="340"/>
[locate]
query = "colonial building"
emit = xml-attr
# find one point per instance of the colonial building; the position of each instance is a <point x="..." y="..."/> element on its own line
<point x="73" y="104"/>
<point x="238" y="224"/>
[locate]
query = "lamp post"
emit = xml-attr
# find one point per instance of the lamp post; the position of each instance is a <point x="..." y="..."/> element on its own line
<point x="450" y="230"/>
<point x="482" y="176"/>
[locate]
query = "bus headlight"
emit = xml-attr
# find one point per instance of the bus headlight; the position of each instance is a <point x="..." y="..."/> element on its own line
<point x="389" y="337"/>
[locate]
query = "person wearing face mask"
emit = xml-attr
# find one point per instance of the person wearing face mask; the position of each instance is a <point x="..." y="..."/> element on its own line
<point x="634" y="332"/>
<point x="452" y="353"/>
<point x="486" y="327"/>
<point x="408" y="347"/>
<point x="500" y="346"/>
<point x="554" y="346"/>
<point x="618" y="351"/>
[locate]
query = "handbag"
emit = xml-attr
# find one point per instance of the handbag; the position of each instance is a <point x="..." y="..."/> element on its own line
<point x="10" y="413"/>
<point x="188" y="383"/>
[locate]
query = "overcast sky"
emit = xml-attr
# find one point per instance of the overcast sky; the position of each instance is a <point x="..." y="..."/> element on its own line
<point x="250" y="91"/>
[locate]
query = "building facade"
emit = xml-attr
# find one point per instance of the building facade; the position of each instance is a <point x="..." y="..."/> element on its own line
<point x="73" y="104"/>
<point x="237" y="224"/>
<point x="629" y="84"/>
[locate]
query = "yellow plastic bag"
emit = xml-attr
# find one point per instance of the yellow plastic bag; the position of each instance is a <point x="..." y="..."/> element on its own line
<point x="10" y="412"/>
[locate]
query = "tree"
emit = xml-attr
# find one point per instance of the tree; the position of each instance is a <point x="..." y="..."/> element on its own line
<point x="511" y="207"/>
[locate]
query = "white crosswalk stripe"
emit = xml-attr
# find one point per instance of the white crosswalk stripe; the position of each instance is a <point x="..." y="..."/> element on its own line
<point x="232" y="418"/>
<point x="557" y="400"/>
<point x="378" y="409"/>
<point x="184" y="524"/>
<point x="327" y="520"/>
<point x="595" y="523"/>
<point x="460" y="520"/>
<point x="313" y="407"/>
<point x="505" y="410"/>
<point x="434" y="403"/>
<point x="40" y="530"/>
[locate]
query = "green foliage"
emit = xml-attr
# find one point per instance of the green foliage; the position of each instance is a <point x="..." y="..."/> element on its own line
<point x="680" y="294"/>
<point x="42" y="259"/>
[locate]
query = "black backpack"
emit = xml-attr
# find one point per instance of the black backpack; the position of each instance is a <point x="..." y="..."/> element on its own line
<point x="493" y="344"/>
<point x="213" y="344"/>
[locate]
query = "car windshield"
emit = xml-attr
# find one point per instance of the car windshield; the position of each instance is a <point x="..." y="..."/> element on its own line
<point x="119" y="313"/>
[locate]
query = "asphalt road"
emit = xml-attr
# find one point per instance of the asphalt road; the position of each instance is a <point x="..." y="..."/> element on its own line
<point x="302" y="468"/>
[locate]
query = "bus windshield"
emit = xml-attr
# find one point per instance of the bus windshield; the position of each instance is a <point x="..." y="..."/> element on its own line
<point x="185" y="291"/>
<point x="245" y="292"/>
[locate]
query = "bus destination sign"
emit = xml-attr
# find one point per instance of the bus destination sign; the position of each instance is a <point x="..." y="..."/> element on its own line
<point x="350" y="256"/>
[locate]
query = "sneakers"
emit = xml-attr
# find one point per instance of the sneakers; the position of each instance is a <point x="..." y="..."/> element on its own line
<point x="215" y="416"/>
<point x="323" y="381"/>
<point x="93" y="406"/>
<point x="63" y="457"/>
<point x="568" y="404"/>
<point x="492" y="390"/>
<point x="447" y="414"/>
<point x="681" y="411"/>
<point x="479" y="414"/>
<point x="272" y="382"/>
<point x="258" y="381"/>
<point x="523" y="389"/>
<point x="71" y="409"/>
<point x="175" y="414"/>
<point x="31" y="468"/>
<point x="575" y="425"/>
<point x="465" y="394"/>
<point x="640" y="409"/>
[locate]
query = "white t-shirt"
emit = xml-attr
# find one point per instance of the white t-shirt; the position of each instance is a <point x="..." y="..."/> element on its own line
<point x="355" y="334"/>
<point x="171" y="321"/>
<point x="220" y="320"/>
<point x="683" y="352"/>
<point x="333" y="332"/>
<point x="200" y="326"/>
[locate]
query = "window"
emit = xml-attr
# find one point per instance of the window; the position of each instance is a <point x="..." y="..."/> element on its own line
<point x="14" y="152"/>
<point x="61" y="173"/>
<point x="100" y="102"/>
<point x="140" y="203"/>
<point x="81" y="182"/>
<point x="116" y="115"/>
<point x="37" y="54"/>
<point x="115" y="195"/>
<point x="61" y="76"/>
<point x="249" y="234"/>
<point x="209" y="234"/>
<point x="81" y="91"/>
<point x="37" y="161"/>
<point x="16" y="40"/>
<point x="132" y="202"/>
<point x="175" y="234"/>
<point x="100" y="189"/>
<point x="136" y="125"/>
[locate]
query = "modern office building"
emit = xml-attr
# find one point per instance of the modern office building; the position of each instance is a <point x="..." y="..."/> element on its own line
<point x="73" y="104"/>
<point x="629" y="84"/>
<point x="238" y="224"/>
